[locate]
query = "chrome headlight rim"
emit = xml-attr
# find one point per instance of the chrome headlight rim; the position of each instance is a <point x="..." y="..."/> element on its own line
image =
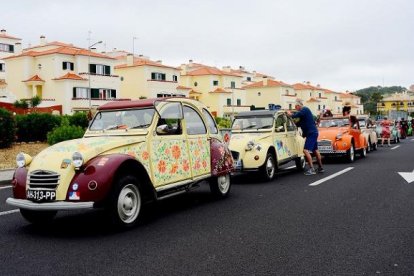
<point x="249" y="145"/>
<point x="20" y="160"/>
<point x="77" y="160"/>
<point x="339" y="136"/>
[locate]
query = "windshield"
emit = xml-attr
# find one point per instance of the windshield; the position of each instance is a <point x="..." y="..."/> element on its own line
<point x="123" y="119"/>
<point x="334" y="123"/>
<point x="362" y="123"/>
<point x="252" y="123"/>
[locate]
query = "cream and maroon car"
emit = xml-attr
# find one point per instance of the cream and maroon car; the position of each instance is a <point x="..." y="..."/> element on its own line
<point x="264" y="140"/>
<point x="132" y="153"/>
<point x="368" y="127"/>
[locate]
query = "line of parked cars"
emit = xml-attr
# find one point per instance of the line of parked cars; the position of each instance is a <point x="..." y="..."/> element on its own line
<point x="142" y="151"/>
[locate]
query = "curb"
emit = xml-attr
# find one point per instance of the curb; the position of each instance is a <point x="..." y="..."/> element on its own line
<point x="6" y="177"/>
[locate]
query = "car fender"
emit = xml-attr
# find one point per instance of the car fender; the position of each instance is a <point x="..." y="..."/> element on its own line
<point x="221" y="159"/>
<point x="19" y="183"/>
<point x="255" y="158"/>
<point x="96" y="180"/>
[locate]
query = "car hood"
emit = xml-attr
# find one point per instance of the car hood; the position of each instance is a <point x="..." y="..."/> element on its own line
<point x="238" y="141"/>
<point x="54" y="157"/>
<point x="331" y="132"/>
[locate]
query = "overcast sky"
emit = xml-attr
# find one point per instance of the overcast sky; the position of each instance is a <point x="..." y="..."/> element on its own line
<point x="341" y="45"/>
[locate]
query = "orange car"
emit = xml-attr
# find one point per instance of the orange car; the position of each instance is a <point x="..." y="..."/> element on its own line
<point x="338" y="138"/>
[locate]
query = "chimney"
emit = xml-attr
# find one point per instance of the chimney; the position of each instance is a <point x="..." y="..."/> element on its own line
<point x="227" y="68"/>
<point x="42" y="40"/>
<point x="190" y="61"/>
<point x="3" y="31"/>
<point x="130" y="60"/>
<point x="159" y="61"/>
<point x="308" y="82"/>
<point x="93" y="50"/>
<point x="264" y="80"/>
<point x="241" y="68"/>
<point x="318" y="85"/>
<point x="18" y="48"/>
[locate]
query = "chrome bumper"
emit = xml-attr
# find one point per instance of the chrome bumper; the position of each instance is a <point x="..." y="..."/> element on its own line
<point x="49" y="206"/>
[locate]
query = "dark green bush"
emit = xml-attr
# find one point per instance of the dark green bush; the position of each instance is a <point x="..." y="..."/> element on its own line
<point x="64" y="132"/>
<point x="35" y="126"/>
<point x="79" y="119"/>
<point x="223" y="122"/>
<point x="7" y="128"/>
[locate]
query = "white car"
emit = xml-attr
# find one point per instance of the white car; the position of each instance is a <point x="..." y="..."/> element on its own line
<point x="368" y="129"/>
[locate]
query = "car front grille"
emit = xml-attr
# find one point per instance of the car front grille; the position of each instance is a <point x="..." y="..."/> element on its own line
<point x="324" y="143"/>
<point x="43" y="180"/>
<point x="235" y="155"/>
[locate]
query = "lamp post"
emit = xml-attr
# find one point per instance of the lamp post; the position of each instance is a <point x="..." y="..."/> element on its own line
<point x="89" y="71"/>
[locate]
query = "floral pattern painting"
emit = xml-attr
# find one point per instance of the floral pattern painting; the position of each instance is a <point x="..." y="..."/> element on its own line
<point x="170" y="161"/>
<point x="199" y="156"/>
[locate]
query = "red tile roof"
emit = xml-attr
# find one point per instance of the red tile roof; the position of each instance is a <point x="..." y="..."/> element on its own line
<point x="3" y="35"/>
<point x="64" y="50"/>
<point x="180" y="87"/>
<point x="195" y="92"/>
<point x="220" y="90"/>
<point x="34" y="78"/>
<point x="348" y="95"/>
<point x="205" y="71"/>
<point x="70" y="76"/>
<point x="53" y="43"/>
<point x="143" y="62"/>
<point x="301" y="86"/>
<point x="270" y="83"/>
<point x="3" y="82"/>
<point x="312" y="100"/>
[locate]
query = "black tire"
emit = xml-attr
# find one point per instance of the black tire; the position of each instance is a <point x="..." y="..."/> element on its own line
<point x="363" y="152"/>
<point x="38" y="217"/>
<point x="350" y="154"/>
<point x="300" y="163"/>
<point x="375" y="146"/>
<point x="125" y="202"/>
<point x="370" y="146"/>
<point x="268" y="169"/>
<point x="220" y="185"/>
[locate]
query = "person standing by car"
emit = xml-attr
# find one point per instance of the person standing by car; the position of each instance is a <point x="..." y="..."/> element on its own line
<point x="310" y="132"/>
<point x="386" y="132"/>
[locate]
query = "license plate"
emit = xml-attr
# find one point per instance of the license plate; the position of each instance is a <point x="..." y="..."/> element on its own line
<point x="324" y="148"/>
<point x="41" y="195"/>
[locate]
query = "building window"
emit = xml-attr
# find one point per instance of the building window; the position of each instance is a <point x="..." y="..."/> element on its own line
<point x="259" y="93"/>
<point x="323" y="106"/>
<point x="233" y="84"/>
<point x="80" y="93"/>
<point x="66" y="65"/>
<point x="215" y="82"/>
<point x="175" y="78"/>
<point x="228" y="101"/>
<point x="310" y="94"/>
<point x="319" y="107"/>
<point x="6" y="48"/>
<point x="320" y="95"/>
<point x="249" y="78"/>
<point x="99" y="69"/>
<point x="290" y="106"/>
<point x="103" y="94"/>
<point x="238" y="102"/>
<point x="157" y="76"/>
<point x="335" y="98"/>
<point x="2" y="67"/>
<point x="195" y="83"/>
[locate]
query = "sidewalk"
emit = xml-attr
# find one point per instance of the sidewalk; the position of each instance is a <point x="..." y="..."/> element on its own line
<point x="6" y="177"/>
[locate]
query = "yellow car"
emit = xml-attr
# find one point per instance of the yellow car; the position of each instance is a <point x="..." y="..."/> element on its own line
<point x="264" y="140"/>
<point x="133" y="152"/>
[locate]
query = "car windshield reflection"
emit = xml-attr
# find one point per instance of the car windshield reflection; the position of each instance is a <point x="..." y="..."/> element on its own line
<point x="125" y="119"/>
<point x="334" y="123"/>
<point x="246" y="123"/>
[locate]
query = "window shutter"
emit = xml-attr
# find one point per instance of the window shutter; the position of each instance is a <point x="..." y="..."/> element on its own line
<point x="92" y="68"/>
<point x="113" y="93"/>
<point x="72" y="66"/>
<point x="153" y="76"/>
<point x="94" y="93"/>
<point x="163" y="77"/>
<point x="11" y="48"/>
<point x="74" y="92"/>
<point x="64" y="65"/>
<point x="107" y="70"/>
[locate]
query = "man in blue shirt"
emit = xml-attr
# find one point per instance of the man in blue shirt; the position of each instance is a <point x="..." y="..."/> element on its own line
<point x="310" y="132"/>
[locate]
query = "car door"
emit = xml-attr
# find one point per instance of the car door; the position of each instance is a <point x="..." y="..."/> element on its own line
<point x="291" y="129"/>
<point x="280" y="139"/>
<point x="170" y="159"/>
<point x="198" y="143"/>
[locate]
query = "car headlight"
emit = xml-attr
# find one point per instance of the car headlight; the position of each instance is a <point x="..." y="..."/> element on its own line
<point x="249" y="146"/>
<point x="23" y="159"/>
<point x="339" y="136"/>
<point x="77" y="160"/>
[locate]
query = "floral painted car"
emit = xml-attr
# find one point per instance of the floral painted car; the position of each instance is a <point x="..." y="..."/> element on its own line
<point x="265" y="139"/>
<point x="338" y="139"/>
<point x="395" y="133"/>
<point x="132" y="153"/>
<point x="368" y="129"/>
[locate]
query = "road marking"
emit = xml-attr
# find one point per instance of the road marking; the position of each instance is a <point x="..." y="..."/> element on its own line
<point x="412" y="139"/>
<point x="5" y="187"/>
<point x="409" y="177"/>
<point x="9" y="212"/>
<point x="330" y="177"/>
<point x="396" y="147"/>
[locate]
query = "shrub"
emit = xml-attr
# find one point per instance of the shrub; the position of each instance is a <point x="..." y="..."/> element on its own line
<point x="79" y="119"/>
<point x="223" y="122"/>
<point x="7" y="128"/>
<point x="64" y="132"/>
<point x="35" y="126"/>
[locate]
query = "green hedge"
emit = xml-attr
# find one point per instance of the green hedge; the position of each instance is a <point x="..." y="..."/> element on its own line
<point x="64" y="132"/>
<point x="35" y="126"/>
<point x="7" y="128"/>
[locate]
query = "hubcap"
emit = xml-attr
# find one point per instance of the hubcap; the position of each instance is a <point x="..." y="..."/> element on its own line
<point x="223" y="183"/>
<point x="270" y="167"/>
<point x="129" y="203"/>
<point x="351" y="153"/>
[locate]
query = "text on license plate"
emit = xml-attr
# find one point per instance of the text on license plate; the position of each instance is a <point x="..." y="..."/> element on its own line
<point x="324" y="147"/>
<point x="41" y="195"/>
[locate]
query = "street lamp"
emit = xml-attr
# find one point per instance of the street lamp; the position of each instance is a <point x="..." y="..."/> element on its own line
<point x="89" y="71"/>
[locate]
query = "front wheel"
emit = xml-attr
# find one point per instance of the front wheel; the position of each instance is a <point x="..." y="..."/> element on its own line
<point x="268" y="169"/>
<point x="363" y="152"/>
<point x="125" y="204"/>
<point x="220" y="185"/>
<point x="38" y="217"/>
<point x="350" y="155"/>
<point x="375" y="146"/>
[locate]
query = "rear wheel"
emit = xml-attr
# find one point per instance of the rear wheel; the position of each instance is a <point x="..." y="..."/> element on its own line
<point x="363" y="152"/>
<point x="125" y="204"/>
<point x="370" y="146"/>
<point x="220" y="185"/>
<point x="268" y="169"/>
<point x="375" y="146"/>
<point x="38" y="217"/>
<point x="350" y="155"/>
<point x="300" y="163"/>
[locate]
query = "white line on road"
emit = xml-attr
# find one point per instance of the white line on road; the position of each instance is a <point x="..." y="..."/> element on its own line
<point x="9" y="212"/>
<point x="331" y="176"/>
<point x="396" y="147"/>
<point x="412" y="139"/>
<point x="5" y="187"/>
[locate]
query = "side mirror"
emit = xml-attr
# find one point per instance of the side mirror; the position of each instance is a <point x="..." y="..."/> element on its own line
<point x="280" y="129"/>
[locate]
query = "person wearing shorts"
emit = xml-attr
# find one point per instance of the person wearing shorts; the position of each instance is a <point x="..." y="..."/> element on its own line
<point x="310" y="132"/>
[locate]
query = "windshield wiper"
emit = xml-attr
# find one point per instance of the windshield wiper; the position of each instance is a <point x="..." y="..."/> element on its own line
<point x="140" y="126"/>
<point x="267" y="126"/>
<point x="249" y="127"/>
<point x="116" y="127"/>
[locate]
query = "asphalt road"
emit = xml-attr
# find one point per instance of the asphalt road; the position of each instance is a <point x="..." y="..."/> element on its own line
<point x="358" y="223"/>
